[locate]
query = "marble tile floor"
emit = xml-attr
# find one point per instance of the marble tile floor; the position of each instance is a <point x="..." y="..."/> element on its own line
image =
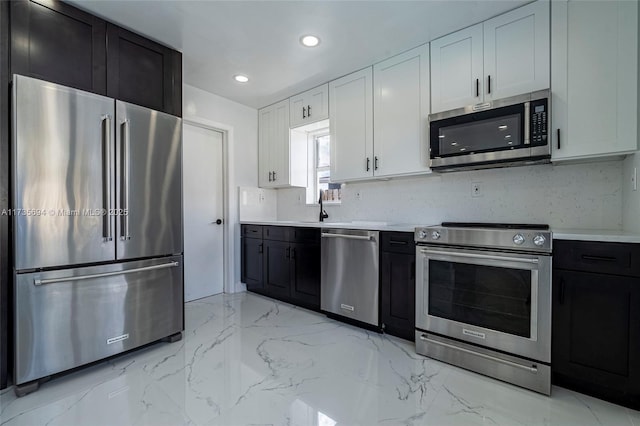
<point x="249" y="360"/>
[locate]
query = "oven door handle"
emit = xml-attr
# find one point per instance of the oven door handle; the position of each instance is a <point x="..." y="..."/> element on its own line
<point x="531" y="369"/>
<point x="482" y="256"/>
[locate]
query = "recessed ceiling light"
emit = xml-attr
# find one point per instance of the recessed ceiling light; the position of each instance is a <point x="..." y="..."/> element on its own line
<point x="503" y="127"/>
<point x="241" y="78"/>
<point x="310" y="40"/>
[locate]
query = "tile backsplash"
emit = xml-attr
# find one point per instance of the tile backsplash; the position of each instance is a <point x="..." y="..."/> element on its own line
<point x="564" y="196"/>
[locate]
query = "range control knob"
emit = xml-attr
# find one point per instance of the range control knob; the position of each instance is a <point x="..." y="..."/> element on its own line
<point x="539" y="240"/>
<point x="518" y="239"/>
<point x="422" y="235"/>
<point x="435" y="235"/>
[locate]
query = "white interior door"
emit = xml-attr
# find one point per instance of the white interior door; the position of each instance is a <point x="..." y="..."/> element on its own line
<point x="203" y="206"/>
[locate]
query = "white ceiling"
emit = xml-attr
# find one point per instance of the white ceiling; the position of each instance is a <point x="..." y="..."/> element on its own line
<point x="219" y="39"/>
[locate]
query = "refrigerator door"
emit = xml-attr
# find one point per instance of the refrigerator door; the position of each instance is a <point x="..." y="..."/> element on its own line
<point x="149" y="182"/>
<point x="67" y="318"/>
<point x="63" y="149"/>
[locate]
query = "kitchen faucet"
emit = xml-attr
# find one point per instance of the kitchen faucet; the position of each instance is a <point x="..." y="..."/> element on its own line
<point x="323" y="213"/>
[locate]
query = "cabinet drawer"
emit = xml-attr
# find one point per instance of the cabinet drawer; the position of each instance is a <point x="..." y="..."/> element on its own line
<point x="277" y="233"/>
<point x="251" y="231"/>
<point x="397" y="242"/>
<point x="305" y="235"/>
<point x="611" y="258"/>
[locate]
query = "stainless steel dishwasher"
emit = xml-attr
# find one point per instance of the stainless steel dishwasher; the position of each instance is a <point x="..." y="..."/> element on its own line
<point x="349" y="283"/>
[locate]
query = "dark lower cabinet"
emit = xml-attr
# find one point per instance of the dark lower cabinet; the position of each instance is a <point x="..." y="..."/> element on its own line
<point x="596" y="321"/>
<point x="305" y="274"/>
<point x="143" y="72"/>
<point x="54" y="41"/>
<point x="276" y="268"/>
<point x="283" y="263"/>
<point x="398" y="284"/>
<point x="251" y="264"/>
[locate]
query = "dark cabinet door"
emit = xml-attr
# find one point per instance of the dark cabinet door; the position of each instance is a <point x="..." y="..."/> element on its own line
<point x="251" y="264"/>
<point x="276" y="268"/>
<point x="143" y="72"/>
<point x="397" y="294"/>
<point x="53" y="41"/>
<point x="596" y="334"/>
<point x="305" y="274"/>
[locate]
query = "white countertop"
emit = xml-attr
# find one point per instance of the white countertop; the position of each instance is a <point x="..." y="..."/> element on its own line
<point x="369" y="225"/>
<point x="606" y="235"/>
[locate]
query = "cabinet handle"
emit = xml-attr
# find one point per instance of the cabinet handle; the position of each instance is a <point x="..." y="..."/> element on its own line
<point x="400" y="243"/>
<point x="274" y="176"/>
<point x="269" y="176"/>
<point x="558" y="137"/>
<point x="304" y="110"/>
<point x="308" y="111"/>
<point x="293" y="253"/>
<point x="477" y="87"/>
<point x="489" y="84"/>
<point x="368" y="161"/>
<point x="260" y="248"/>
<point x="561" y="295"/>
<point x="598" y="258"/>
<point x="375" y="163"/>
<point x="288" y="252"/>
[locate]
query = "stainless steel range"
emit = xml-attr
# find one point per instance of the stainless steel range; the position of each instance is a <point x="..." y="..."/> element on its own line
<point x="483" y="299"/>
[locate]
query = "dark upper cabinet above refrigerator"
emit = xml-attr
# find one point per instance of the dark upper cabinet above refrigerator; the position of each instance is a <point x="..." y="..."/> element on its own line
<point x="58" y="43"/>
<point x="143" y="72"/>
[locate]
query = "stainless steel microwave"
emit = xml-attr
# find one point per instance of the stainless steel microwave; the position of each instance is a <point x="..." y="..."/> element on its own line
<point x="505" y="132"/>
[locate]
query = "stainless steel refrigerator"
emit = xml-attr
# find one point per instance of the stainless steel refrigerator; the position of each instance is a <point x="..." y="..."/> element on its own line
<point x="97" y="197"/>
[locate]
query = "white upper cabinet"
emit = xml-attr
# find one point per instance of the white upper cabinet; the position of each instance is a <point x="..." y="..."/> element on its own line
<point x="275" y="151"/>
<point x="457" y="69"/>
<point x="504" y="56"/>
<point x="594" y="78"/>
<point x="516" y="52"/>
<point x="401" y="108"/>
<point x="351" y="129"/>
<point x="309" y="107"/>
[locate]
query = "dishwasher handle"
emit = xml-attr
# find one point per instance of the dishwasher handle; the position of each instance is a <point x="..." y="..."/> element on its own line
<point x="348" y="237"/>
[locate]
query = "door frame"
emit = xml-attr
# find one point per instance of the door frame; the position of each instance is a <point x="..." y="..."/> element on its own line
<point x="227" y="243"/>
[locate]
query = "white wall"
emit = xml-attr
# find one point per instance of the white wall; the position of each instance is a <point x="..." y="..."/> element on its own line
<point x="241" y="124"/>
<point x="564" y="196"/>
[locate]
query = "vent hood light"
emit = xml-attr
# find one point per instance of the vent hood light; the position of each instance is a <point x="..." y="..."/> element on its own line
<point x="241" y="78"/>
<point x="309" y="41"/>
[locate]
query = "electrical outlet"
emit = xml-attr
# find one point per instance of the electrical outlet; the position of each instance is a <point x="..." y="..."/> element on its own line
<point x="634" y="179"/>
<point x="476" y="189"/>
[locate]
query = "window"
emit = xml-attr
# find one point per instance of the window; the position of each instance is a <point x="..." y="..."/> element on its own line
<point x="320" y="170"/>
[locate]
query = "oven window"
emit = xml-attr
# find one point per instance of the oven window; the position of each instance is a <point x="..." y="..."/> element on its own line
<point x="492" y="297"/>
<point x="492" y="134"/>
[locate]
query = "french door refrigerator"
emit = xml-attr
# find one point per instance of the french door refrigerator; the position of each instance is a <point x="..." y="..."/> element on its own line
<point x="97" y="197"/>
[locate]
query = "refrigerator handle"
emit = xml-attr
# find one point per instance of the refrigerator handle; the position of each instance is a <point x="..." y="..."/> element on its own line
<point x="124" y="182"/>
<point x="106" y="178"/>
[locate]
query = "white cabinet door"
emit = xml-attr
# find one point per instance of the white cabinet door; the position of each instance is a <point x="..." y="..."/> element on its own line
<point x="457" y="69"/>
<point x="273" y="146"/>
<point x="594" y="78"/>
<point x="401" y="107"/>
<point x="310" y="106"/>
<point x="265" y="136"/>
<point x="516" y="52"/>
<point x="351" y="114"/>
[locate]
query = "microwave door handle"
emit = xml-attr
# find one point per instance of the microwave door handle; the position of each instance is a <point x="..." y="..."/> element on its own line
<point x="527" y="124"/>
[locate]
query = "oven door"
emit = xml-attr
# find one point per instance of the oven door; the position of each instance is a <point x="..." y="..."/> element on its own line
<point x="494" y="299"/>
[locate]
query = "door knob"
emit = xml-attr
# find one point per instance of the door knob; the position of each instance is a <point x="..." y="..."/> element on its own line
<point x="217" y="222"/>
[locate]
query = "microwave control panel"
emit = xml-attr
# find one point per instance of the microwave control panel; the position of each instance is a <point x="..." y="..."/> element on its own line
<point x="539" y="121"/>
